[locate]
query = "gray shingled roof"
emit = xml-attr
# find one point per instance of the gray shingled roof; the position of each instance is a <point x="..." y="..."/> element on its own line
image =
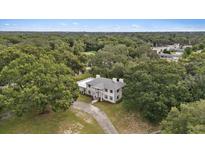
<point x="104" y="83"/>
<point x="168" y="55"/>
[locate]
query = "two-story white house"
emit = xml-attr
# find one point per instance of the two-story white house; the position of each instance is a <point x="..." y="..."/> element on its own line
<point x="100" y="88"/>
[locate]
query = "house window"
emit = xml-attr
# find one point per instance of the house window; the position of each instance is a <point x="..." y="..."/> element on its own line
<point x="117" y="97"/>
<point x="118" y="90"/>
<point x="106" y="90"/>
<point x="89" y="85"/>
<point x="105" y="96"/>
<point x="111" y="98"/>
<point x="110" y="91"/>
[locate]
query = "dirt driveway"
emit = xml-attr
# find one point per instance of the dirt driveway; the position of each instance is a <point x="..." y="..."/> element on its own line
<point x="98" y="114"/>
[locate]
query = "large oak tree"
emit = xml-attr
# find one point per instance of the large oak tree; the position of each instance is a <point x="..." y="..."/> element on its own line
<point x="36" y="84"/>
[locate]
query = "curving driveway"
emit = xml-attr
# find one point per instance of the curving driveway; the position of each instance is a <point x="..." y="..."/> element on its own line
<point x="98" y="114"/>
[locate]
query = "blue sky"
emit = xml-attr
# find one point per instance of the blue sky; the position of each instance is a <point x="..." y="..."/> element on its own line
<point x="102" y="25"/>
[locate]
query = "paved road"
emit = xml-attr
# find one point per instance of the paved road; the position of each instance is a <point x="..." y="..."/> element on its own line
<point x="98" y="114"/>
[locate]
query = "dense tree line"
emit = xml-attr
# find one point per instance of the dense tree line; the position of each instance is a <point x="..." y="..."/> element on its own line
<point x="37" y="75"/>
<point x="153" y="87"/>
<point x="36" y="83"/>
<point x="189" y="118"/>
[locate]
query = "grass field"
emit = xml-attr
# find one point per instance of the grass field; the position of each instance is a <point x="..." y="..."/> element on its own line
<point x="123" y="121"/>
<point x="53" y="123"/>
<point x="74" y="121"/>
<point x="90" y="53"/>
<point x="84" y="98"/>
<point x="82" y="76"/>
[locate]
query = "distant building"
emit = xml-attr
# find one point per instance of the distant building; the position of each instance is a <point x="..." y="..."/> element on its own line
<point x="100" y="88"/>
<point x="177" y="48"/>
<point x="171" y="57"/>
<point x="187" y="46"/>
<point x="173" y="47"/>
<point x="159" y="49"/>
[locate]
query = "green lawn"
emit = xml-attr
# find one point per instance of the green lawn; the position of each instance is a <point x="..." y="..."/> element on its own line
<point x="84" y="98"/>
<point x="123" y="121"/>
<point x="89" y="53"/>
<point x="53" y="123"/>
<point x="82" y="76"/>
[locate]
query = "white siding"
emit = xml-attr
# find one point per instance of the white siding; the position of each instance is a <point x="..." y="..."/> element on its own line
<point x="109" y="94"/>
<point x="118" y="94"/>
<point x="102" y="94"/>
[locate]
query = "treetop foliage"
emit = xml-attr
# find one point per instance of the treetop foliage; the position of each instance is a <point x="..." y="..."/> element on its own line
<point x="188" y="119"/>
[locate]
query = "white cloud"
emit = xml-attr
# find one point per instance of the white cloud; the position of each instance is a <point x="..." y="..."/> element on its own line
<point x="135" y="26"/>
<point x="6" y="24"/>
<point x="117" y="27"/>
<point x="75" y="23"/>
<point x="79" y="26"/>
<point x="63" y="24"/>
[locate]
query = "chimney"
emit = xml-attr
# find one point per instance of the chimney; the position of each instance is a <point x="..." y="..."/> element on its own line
<point x="121" y="80"/>
<point x="97" y="76"/>
<point x="114" y="79"/>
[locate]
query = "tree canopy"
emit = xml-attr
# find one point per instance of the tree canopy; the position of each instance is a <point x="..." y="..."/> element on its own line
<point x="189" y="118"/>
<point x="153" y="87"/>
<point x="35" y="83"/>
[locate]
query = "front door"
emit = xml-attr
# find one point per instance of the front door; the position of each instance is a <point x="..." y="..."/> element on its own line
<point x="97" y="95"/>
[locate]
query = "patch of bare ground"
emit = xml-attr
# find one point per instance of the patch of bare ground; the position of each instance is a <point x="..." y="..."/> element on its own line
<point x="133" y="124"/>
<point x="85" y="124"/>
<point x="86" y="117"/>
<point x="74" y="128"/>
